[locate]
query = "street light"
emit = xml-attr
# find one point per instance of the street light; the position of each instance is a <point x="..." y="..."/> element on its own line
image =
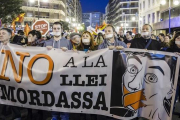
<point x="74" y="19"/>
<point x="32" y="1"/>
<point x="133" y="18"/>
<point x="175" y="2"/>
<point x="67" y="19"/>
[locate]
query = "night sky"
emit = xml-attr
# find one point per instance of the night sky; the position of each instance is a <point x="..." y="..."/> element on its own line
<point x="93" y="5"/>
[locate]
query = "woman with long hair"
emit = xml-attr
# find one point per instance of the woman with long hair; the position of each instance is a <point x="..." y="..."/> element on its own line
<point x="87" y="42"/>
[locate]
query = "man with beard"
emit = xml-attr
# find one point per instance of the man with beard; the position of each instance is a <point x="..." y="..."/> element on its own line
<point x="111" y="41"/>
<point x="58" y="41"/>
<point x="145" y="42"/>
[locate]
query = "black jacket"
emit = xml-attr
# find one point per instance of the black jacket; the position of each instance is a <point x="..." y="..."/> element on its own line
<point x="141" y="43"/>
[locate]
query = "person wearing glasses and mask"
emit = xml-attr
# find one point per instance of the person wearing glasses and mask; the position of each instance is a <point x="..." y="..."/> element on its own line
<point x="58" y="41"/>
<point x="146" y="42"/>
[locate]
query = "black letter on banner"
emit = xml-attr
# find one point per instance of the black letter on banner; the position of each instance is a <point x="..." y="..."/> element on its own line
<point x="91" y="80"/>
<point x="76" y="100"/>
<point x="85" y="63"/>
<point x="36" y="97"/>
<point x="19" y="90"/>
<point x="61" y="100"/>
<point x="102" y="80"/>
<point x="46" y="93"/>
<point x="64" y="81"/>
<point x="87" y="100"/>
<point x="101" y="57"/>
<point x="99" y="101"/>
<point x="70" y="62"/>
<point x="77" y="81"/>
<point x="6" y="94"/>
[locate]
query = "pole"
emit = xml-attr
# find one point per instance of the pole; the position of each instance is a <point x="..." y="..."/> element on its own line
<point x="169" y="16"/>
<point x="38" y="8"/>
<point x="125" y="22"/>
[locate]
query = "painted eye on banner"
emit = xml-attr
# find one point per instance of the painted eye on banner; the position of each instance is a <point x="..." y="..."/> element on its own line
<point x="150" y="77"/>
<point x="132" y="69"/>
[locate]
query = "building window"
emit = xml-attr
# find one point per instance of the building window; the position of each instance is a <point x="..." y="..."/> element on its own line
<point x="153" y="17"/>
<point x="144" y="20"/>
<point x="149" y="18"/>
<point x="158" y="15"/>
<point x="143" y="4"/>
<point x="149" y="3"/>
<point x="152" y="2"/>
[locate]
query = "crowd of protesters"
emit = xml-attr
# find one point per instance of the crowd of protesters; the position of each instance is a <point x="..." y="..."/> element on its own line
<point x="87" y="42"/>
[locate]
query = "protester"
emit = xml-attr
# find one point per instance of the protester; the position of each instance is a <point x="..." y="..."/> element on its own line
<point x="121" y="35"/>
<point x="137" y="36"/>
<point x="145" y="42"/>
<point x="34" y="38"/>
<point x="87" y="42"/>
<point x="153" y="37"/>
<point x="167" y="39"/>
<point x="128" y="39"/>
<point x="61" y="43"/>
<point x="19" y="39"/>
<point x="161" y="37"/>
<point x="68" y="37"/>
<point x="175" y="48"/>
<point x="111" y="41"/>
<point x="5" y="36"/>
<point x="75" y="39"/>
<point x="58" y="41"/>
<point x="99" y="39"/>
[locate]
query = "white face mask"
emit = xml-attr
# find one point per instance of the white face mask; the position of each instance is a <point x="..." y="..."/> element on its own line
<point x="86" y="41"/>
<point x="145" y="35"/>
<point x="56" y="33"/>
<point x="109" y="36"/>
<point x="177" y="42"/>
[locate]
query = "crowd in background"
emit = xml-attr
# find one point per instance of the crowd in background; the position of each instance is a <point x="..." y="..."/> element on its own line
<point x="87" y="42"/>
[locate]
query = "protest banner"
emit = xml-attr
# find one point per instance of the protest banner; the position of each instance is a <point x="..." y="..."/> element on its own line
<point x="120" y="84"/>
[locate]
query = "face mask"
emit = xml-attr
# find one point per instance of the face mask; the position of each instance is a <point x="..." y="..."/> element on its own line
<point x="86" y="41"/>
<point x="109" y="36"/>
<point x="145" y="35"/>
<point x="56" y="33"/>
<point x="177" y="42"/>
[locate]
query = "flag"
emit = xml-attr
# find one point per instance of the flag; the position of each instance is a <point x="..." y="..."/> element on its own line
<point x="102" y="27"/>
<point x="13" y="26"/>
<point x="0" y="23"/>
<point x="134" y="31"/>
<point x="27" y="29"/>
<point x="96" y="27"/>
<point x="19" y="18"/>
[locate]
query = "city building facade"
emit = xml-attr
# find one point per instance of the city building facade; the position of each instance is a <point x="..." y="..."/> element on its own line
<point x="52" y="11"/>
<point x="73" y="11"/>
<point x="123" y="13"/>
<point x="92" y="19"/>
<point x="163" y="24"/>
<point x="149" y="12"/>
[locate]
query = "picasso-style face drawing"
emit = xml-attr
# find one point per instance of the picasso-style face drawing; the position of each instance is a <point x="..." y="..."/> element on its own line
<point x="145" y="82"/>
